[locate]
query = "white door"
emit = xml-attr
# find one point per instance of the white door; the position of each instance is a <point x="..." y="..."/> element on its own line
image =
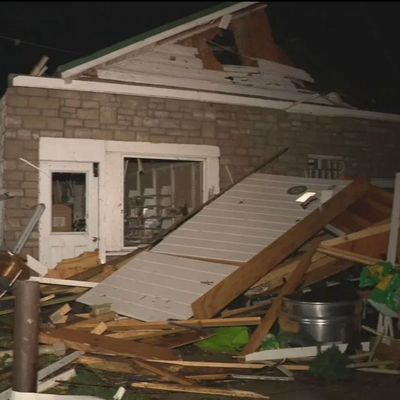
<point x="69" y="225"/>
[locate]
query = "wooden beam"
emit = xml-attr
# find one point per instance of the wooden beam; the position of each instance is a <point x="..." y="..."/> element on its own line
<point x="199" y="390"/>
<point x="362" y="234"/>
<point x="394" y="225"/>
<point x="272" y="314"/>
<point x="348" y="255"/>
<point x="209" y="364"/>
<point x="90" y="343"/>
<point x="239" y="281"/>
<point x="202" y="323"/>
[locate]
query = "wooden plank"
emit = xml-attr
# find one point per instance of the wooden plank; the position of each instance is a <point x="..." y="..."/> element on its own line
<point x="108" y="365"/>
<point x="290" y="286"/>
<point x="199" y="390"/>
<point x="210" y="364"/>
<point x="394" y="224"/>
<point x="105" y="317"/>
<point x="90" y="343"/>
<point x="63" y="282"/>
<point x="239" y="281"/>
<point x="164" y="373"/>
<point x="100" y="329"/>
<point x="364" y="233"/>
<point x="202" y="323"/>
<point x="348" y="255"/>
<point x="59" y="316"/>
<point x="296" y="352"/>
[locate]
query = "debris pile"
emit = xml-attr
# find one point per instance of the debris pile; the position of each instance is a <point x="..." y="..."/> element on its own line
<point x="136" y="317"/>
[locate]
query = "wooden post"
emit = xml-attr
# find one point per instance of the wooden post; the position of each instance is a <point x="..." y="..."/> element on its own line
<point x="26" y="333"/>
<point x="394" y="225"/>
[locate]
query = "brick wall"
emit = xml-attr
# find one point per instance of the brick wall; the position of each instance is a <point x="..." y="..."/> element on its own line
<point x="245" y="135"/>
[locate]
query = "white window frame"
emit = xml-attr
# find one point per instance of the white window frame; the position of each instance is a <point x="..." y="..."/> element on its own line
<point x="110" y="155"/>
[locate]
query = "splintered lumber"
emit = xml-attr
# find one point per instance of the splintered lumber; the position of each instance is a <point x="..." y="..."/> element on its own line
<point x="178" y="339"/>
<point x="109" y="316"/>
<point x="129" y="324"/>
<point x="59" y="316"/>
<point x="272" y="314"/>
<point x="164" y="373"/>
<point x="100" y="329"/>
<point x="199" y="390"/>
<point x="136" y="335"/>
<point x="107" y="365"/>
<point x="90" y="343"/>
<point x="372" y="241"/>
<point x="209" y="364"/>
<point x="240" y="280"/>
<point x="348" y="255"/>
<point x="241" y="310"/>
<point x="72" y="266"/>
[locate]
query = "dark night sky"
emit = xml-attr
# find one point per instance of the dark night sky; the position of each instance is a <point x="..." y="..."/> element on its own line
<point x="348" y="47"/>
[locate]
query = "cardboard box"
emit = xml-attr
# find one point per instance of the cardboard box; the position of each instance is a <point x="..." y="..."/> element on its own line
<point x="61" y="218"/>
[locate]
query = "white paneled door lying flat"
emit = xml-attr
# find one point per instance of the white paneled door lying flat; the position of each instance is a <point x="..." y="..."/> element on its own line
<point x="156" y="287"/>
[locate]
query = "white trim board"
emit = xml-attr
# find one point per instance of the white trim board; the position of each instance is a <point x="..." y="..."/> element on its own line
<point x="196" y="95"/>
<point x="296" y="352"/>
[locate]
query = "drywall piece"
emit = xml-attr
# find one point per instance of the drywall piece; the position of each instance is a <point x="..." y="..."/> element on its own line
<point x="246" y="218"/>
<point x="295" y="352"/>
<point x="156" y="287"/>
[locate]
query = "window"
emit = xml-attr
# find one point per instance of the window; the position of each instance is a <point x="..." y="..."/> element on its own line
<point x="324" y="166"/>
<point x="157" y="194"/>
<point x="68" y="202"/>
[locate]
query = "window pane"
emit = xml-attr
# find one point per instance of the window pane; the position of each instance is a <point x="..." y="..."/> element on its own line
<point x="158" y="193"/>
<point x="68" y="202"/>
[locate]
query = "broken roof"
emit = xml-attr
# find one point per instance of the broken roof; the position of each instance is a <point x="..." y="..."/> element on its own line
<point x="205" y="18"/>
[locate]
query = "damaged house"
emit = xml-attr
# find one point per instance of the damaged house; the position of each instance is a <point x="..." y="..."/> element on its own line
<point x="125" y="142"/>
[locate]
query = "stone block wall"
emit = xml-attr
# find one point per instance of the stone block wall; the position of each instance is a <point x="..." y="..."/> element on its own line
<point x="246" y="136"/>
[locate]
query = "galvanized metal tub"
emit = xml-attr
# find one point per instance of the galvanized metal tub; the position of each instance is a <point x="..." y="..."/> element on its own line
<point x="334" y="321"/>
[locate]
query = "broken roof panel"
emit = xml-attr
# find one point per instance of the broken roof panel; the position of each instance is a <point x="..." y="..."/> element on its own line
<point x="153" y="287"/>
<point x="245" y="219"/>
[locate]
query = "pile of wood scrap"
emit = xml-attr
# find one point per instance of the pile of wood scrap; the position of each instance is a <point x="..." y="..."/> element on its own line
<point x="148" y="352"/>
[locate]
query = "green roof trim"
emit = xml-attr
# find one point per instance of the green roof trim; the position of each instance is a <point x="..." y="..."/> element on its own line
<point x="142" y="36"/>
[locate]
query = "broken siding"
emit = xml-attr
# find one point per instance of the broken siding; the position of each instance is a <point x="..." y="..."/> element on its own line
<point x="245" y="219"/>
<point x="153" y="287"/>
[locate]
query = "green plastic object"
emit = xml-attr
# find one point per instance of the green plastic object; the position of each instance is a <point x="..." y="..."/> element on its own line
<point x="385" y="281"/>
<point x="270" y="342"/>
<point x="229" y="339"/>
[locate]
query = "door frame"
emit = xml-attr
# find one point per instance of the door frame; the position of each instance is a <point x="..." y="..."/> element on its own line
<point x="109" y="155"/>
<point x="45" y="197"/>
